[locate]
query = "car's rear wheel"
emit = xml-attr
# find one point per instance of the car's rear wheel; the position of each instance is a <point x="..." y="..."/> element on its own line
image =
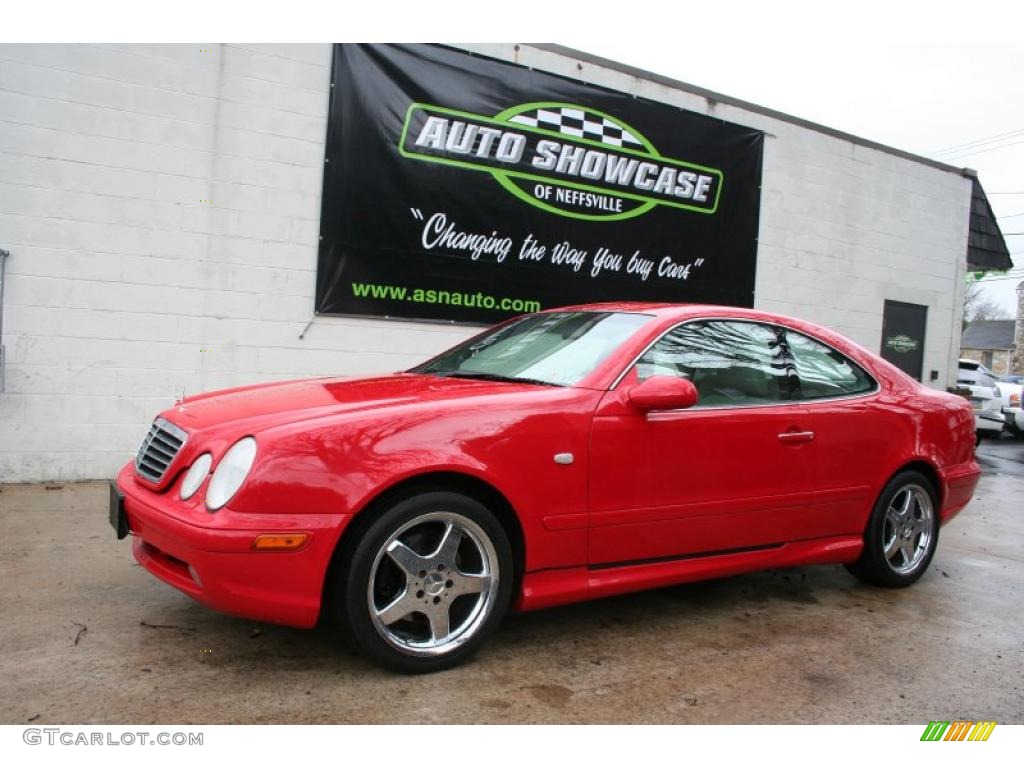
<point x="902" y="533"/>
<point x="427" y="582"/>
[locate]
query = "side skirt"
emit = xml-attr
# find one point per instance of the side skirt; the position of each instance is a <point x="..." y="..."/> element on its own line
<point x="544" y="589"/>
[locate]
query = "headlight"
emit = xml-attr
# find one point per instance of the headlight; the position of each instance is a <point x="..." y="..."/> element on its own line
<point x="196" y="474"/>
<point x="230" y="473"/>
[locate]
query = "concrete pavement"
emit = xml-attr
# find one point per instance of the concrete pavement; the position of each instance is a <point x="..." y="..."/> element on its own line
<point x="88" y="636"/>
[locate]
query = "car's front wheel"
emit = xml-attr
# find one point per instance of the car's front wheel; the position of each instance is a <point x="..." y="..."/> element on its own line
<point x="427" y="582"/>
<point x="902" y="533"/>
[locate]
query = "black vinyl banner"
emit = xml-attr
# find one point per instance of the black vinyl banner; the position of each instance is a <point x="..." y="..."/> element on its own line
<point x="458" y="187"/>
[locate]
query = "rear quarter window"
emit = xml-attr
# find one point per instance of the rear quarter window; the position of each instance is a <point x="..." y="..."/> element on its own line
<point x="823" y="371"/>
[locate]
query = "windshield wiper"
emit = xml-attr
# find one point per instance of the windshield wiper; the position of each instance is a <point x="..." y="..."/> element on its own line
<point x="494" y="377"/>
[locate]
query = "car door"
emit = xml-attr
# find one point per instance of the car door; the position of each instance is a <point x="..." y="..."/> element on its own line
<point x="858" y="437"/>
<point x="732" y="472"/>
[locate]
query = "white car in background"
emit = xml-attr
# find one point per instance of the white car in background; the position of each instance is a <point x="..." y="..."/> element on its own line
<point x="996" y="403"/>
<point x="986" y="399"/>
<point x="1013" y="402"/>
<point x="1012" y="395"/>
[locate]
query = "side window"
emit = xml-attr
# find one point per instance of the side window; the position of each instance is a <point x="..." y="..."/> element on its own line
<point x="730" y="362"/>
<point x="823" y="371"/>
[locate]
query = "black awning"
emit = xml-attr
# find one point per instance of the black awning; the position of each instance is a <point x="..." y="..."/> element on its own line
<point x="986" y="249"/>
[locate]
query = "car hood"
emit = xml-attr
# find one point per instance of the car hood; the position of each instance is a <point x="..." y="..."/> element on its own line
<point x="266" y="405"/>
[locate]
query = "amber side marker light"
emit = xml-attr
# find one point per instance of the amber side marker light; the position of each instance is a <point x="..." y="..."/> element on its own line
<point x="277" y="542"/>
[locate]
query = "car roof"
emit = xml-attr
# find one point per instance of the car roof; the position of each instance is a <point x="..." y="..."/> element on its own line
<point x="668" y="310"/>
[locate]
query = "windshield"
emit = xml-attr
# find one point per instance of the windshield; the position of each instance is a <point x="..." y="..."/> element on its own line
<point x="557" y="348"/>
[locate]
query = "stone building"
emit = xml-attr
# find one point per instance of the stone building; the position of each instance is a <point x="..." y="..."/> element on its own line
<point x="1018" y="352"/>
<point x="997" y="344"/>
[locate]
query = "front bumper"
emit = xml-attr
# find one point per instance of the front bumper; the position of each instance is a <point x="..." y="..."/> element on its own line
<point x="210" y="557"/>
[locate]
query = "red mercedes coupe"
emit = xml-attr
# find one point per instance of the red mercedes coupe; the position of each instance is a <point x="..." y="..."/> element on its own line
<point x="559" y="456"/>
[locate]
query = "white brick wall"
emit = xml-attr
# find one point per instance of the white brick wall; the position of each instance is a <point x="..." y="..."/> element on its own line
<point x="161" y="205"/>
<point x="123" y="288"/>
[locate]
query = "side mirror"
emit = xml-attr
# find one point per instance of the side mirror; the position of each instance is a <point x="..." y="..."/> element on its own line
<point x="663" y="393"/>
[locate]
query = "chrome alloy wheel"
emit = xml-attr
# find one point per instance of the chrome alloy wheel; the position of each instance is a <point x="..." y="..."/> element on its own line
<point x="433" y="584"/>
<point x="908" y="528"/>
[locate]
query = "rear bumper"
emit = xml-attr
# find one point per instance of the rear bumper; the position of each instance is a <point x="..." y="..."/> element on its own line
<point x="215" y="563"/>
<point x="958" y="484"/>
<point x="1014" y="417"/>
<point x="989" y="421"/>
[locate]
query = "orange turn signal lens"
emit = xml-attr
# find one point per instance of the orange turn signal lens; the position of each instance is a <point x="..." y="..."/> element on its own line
<point x="280" y="542"/>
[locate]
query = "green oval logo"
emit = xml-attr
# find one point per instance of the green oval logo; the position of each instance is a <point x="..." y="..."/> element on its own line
<point x="901" y="343"/>
<point x="564" y="159"/>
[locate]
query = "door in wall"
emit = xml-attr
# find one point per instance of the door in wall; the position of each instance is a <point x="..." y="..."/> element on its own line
<point x="903" y="327"/>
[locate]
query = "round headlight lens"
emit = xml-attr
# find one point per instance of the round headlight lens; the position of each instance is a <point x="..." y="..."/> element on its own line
<point x="196" y="474"/>
<point x="230" y="473"/>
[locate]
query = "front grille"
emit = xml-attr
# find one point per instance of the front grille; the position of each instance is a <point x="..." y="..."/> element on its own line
<point x="158" y="450"/>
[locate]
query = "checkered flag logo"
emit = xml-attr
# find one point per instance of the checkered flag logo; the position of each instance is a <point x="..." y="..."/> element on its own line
<point x="564" y="176"/>
<point x="579" y="123"/>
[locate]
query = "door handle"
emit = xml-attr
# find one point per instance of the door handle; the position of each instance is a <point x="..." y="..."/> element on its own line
<point x="796" y="437"/>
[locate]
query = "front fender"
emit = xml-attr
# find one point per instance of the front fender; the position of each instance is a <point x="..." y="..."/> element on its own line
<point x="332" y="466"/>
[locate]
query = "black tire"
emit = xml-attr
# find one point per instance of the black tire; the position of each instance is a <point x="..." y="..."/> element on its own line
<point x="1014" y="430"/>
<point x="873" y="566"/>
<point x="364" y="558"/>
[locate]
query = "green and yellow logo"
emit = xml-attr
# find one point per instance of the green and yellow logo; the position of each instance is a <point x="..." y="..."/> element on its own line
<point x="562" y="158"/>
<point x="958" y="730"/>
<point x="901" y="343"/>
